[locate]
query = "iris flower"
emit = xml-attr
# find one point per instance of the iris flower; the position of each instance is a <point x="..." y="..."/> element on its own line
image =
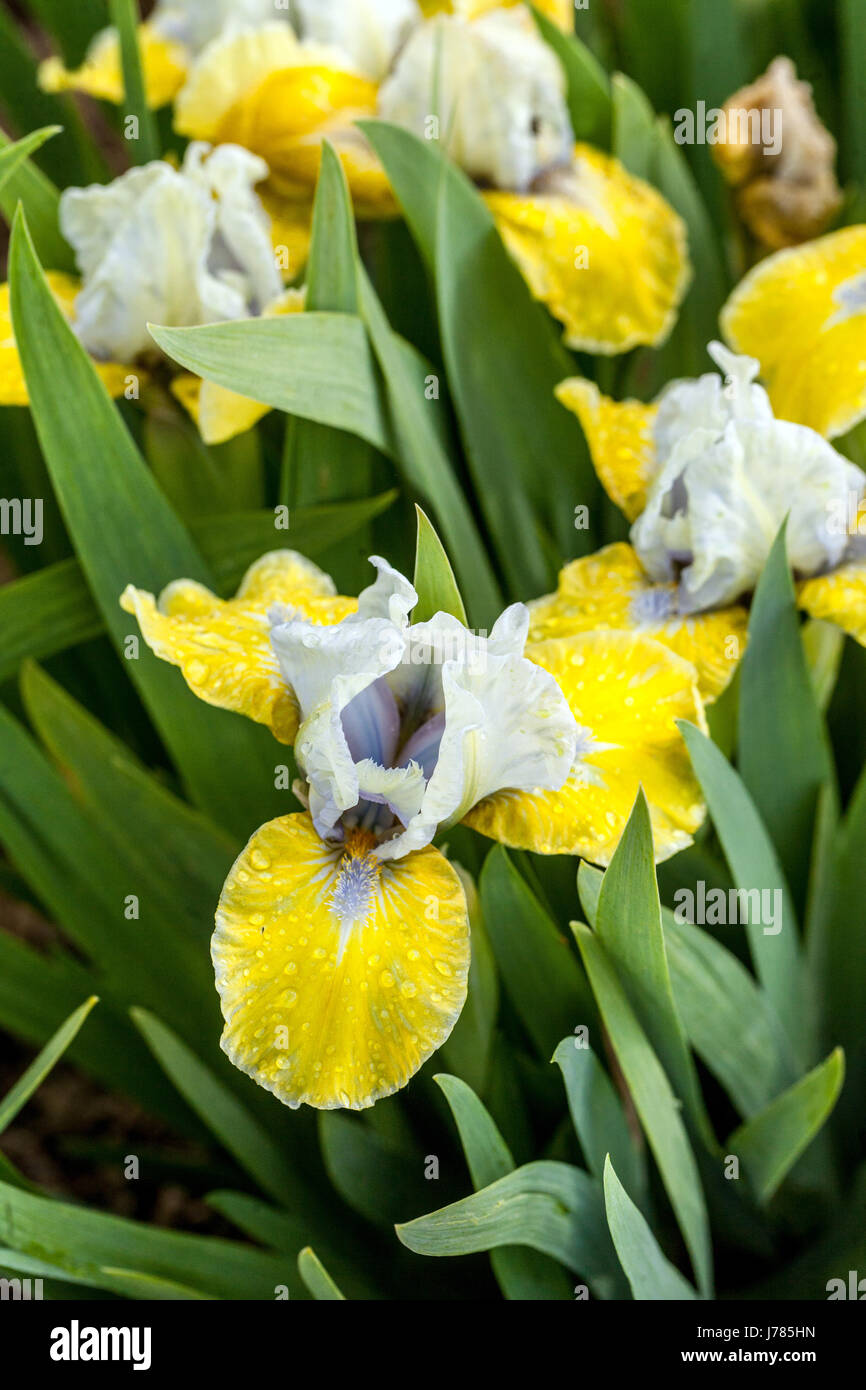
<point x="707" y="475"/>
<point x="602" y="249"/>
<point x="341" y="947"/>
<point x="163" y="245"/>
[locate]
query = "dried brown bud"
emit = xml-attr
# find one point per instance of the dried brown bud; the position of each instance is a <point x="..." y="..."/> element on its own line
<point x="780" y="158"/>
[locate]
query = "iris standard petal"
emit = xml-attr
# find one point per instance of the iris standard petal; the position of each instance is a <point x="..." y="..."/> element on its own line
<point x="626" y="693"/>
<point x="223" y="646"/>
<point x="338" y="975"/>
<point x="610" y="591"/>
<point x="802" y="313"/>
<point x="602" y="249"/>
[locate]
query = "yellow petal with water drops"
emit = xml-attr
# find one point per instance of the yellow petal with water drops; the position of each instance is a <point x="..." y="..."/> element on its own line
<point x="560" y="11"/>
<point x="839" y="598"/>
<point x="610" y="591"/>
<point x="626" y="692"/>
<point x="602" y="249"/>
<point x="164" y="64"/>
<point x="223" y="646"/>
<point x="619" y="435"/>
<point x="802" y="313"/>
<point x="13" y="387"/>
<point x="338" y="975"/>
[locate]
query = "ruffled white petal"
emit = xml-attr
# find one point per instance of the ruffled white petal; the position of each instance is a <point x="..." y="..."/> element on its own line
<point x="172" y="247"/>
<point x="404" y="728"/>
<point x="497" y="90"/>
<point x="717" y="507"/>
<point x="369" y="32"/>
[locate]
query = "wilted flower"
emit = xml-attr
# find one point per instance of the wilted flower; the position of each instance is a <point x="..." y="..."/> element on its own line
<point x="708" y="475"/>
<point x="789" y="193"/>
<point x="341" y="946"/>
<point x="171" y="246"/>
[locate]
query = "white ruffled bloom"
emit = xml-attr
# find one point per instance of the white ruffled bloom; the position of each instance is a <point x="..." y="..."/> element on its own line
<point x="194" y="23"/>
<point x="729" y="475"/>
<point x="370" y="32"/>
<point x="406" y="727"/>
<point x="167" y="246"/>
<point x="497" y="90"/>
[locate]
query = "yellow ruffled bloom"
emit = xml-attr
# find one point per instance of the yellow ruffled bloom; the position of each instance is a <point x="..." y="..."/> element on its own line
<point x="802" y="314"/>
<point x="341" y="947"/>
<point x="707" y="475"/>
<point x="171" y="246"/>
<point x="560" y="11"/>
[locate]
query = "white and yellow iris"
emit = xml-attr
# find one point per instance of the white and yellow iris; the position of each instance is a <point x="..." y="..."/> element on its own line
<point x="707" y="475"/>
<point x="170" y="246"/>
<point x="341" y="947"/>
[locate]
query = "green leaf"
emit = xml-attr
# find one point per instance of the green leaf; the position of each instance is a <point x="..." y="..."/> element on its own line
<point x="755" y="866"/>
<point x="58" y="847"/>
<point x="105" y="1250"/>
<point x="425" y="451"/>
<point x="597" y="1114"/>
<point x="317" y="1279"/>
<point x="728" y="1018"/>
<point x="852" y="25"/>
<point x="649" y="1272"/>
<point x="783" y="752"/>
<point x="23" y="183"/>
<point x="521" y="1273"/>
<point x="770" y="1143"/>
<point x="633" y="127"/>
<point x="144" y="822"/>
<point x="629" y="927"/>
<point x="289" y="1231"/>
<point x="434" y="578"/>
<point x="320" y="462"/>
<point x="124" y="18"/>
<point x="38" y="991"/>
<point x="503" y="356"/>
<point x="589" y="99"/>
<point x="469" y="1049"/>
<point x="314" y="365"/>
<point x="12" y="156"/>
<point x="73" y="26"/>
<point x="237" y="1130"/>
<point x="378" y="1176"/>
<point x="655" y="1104"/>
<point x="39" y="1068"/>
<point x="125" y="532"/>
<point x="540" y="972"/>
<point x="551" y="1207"/>
<point x="53" y="610"/>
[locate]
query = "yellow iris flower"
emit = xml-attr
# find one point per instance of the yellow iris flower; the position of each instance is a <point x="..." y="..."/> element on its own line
<point x="165" y="245"/>
<point x="707" y="475"/>
<point x="341" y="947"/>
